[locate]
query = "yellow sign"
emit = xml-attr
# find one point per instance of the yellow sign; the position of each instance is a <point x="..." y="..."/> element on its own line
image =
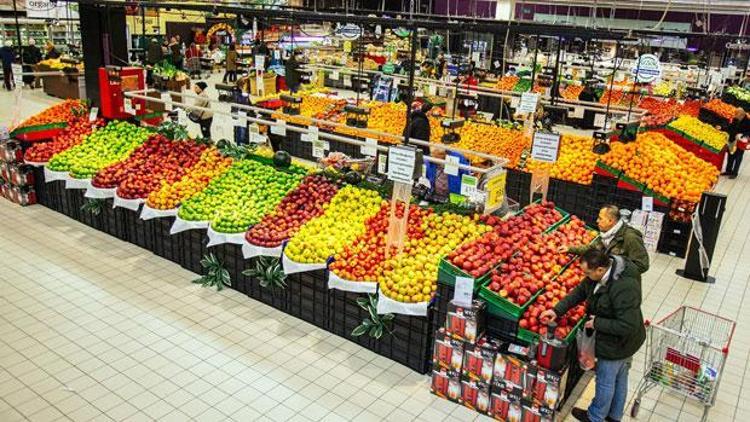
<point x="347" y="46"/>
<point x="495" y="188"/>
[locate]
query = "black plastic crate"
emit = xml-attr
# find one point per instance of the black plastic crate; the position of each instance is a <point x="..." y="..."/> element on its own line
<point x="40" y="187"/>
<point x="165" y="245"/>
<point x="274" y="297"/>
<point x="345" y="315"/>
<point x="89" y="218"/>
<point x="502" y="328"/>
<point x="410" y="343"/>
<point x="118" y="221"/>
<point x="308" y="297"/>
<point x="193" y="245"/>
<point x="138" y="232"/>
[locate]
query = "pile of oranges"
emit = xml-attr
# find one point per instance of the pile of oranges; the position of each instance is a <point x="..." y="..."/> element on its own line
<point x="571" y="92"/>
<point x="720" y="108"/>
<point x="210" y="165"/>
<point x="663" y="166"/>
<point x="58" y="113"/>
<point x="575" y="163"/>
<point x="507" y="82"/>
<point x="491" y="139"/>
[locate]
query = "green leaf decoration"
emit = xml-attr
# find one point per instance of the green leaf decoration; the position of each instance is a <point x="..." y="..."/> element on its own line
<point x="376" y="325"/>
<point x="215" y="274"/>
<point x="269" y="273"/>
<point x="93" y="206"/>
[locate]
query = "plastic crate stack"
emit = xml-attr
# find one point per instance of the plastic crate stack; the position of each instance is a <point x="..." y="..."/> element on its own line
<point x="16" y="178"/>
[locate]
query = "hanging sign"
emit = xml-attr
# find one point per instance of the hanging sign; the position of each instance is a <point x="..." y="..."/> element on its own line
<point x="545" y="146"/>
<point x="349" y="31"/>
<point x="528" y="103"/>
<point x="371" y="149"/>
<point x="646" y="69"/>
<point x="47" y="9"/>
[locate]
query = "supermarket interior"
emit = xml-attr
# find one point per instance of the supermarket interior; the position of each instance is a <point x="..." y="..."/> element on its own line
<point x="319" y="210"/>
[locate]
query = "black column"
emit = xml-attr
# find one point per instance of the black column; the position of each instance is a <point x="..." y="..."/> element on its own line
<point x="104" y="42"/>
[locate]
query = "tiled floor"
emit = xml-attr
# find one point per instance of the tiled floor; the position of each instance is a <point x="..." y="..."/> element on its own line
<point x="92" y="328"/>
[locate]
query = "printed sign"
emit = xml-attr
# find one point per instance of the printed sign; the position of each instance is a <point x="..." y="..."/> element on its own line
<point x="370" y="150"/>
<point x="349" y="31"/>
<point x="401" y="164"/>
<point x="646" y="69"/>
<point x="528" y="102"/>
<point x="464" y="292"/>
<point x="545" y="146"/>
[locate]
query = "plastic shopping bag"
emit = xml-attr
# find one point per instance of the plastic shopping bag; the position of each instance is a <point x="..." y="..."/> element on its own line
<point x="585" y="339"/>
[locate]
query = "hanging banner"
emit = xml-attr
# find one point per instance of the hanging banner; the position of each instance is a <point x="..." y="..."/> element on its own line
<point x="349" y="31"/>
<point x="46" y="9"/>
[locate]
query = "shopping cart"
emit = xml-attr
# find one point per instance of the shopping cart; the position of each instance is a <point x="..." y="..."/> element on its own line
<point x="686" y="352"/>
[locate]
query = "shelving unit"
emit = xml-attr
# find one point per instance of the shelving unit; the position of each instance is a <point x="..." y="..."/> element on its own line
<point x="41" y="32"/>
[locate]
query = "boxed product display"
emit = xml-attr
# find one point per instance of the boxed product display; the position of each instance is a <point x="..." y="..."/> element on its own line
<point x="475" y="395"/>
<point x="535" y="413"/>
<point x="549" y="387"/>
<point x="446" y="384"/>
<point x="514" y="371"/>
<point x="448" y="352"/>
<point x="479" y="361"/>
<point x="505" y="405"/>
<point x="466" y="322"/>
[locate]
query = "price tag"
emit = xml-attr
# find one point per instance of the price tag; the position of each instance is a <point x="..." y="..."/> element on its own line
<point x="431" y="89"/>
<point x="599" y="119"/>
<point x="528" y="102"/>
<point x="464" y="291"/>
<point x="497" y="63"/>
<point x="545" y="146"/>
<point x="181" y="117"/>
<point x="347" y="81"/>
<point x="401" y="168"/>
<point x="312" y="133"/>
<point x="319" y="149"/>
<point x="335" y="75"/>
<point x="495" y="188"/>
<point x="93" y="114"/>
<point x="647" y="203"/>
<point x="514" y="101"/>
<point x="17" y="70"/>
<point x="468" y="185"/>
<point x="451" y="165"/>
<point x="576" y="113"/>
<point x="279" y="128"/>
<point x="382" y="163"/>
<point x="347" y="46"/>
<point x="475" y="57"/>
<point x="370" y="150"/>
<point x="128" y="106"/>
<point x="260" y="62"/>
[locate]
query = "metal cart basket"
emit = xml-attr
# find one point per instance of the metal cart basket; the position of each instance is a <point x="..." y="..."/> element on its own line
<point x="686" y="352"/>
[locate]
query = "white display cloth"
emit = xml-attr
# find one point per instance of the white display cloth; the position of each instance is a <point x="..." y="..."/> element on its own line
<point x="181" y="225"/>
<point x="338" y="283"/>
<point x="99" y="193"/>
<point x="51" y="175"/>
<point x="217" y="238"/>
<point x="250" y="250"/>
<point x="131" y="204"/>
<point x="291" y="267"/>
<point x="147" y="213"/>
<point x="387" y="305"/>
<point x="35" y="163"/>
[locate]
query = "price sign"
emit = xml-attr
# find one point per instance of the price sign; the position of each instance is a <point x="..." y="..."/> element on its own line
<point x="319" y="148"/>
<point x="464" y="291"/>
<point x="181" y="117"/>
<point x="576" y="113"/>
<point x="93" y="114"/>
<point x="370" y="150"/>
<point x="128" y="106"/>
<point x="382" y="163"/>
<point x="528" y="102"/>
<point x="347" y="46"/>
<point x="495" y="188"/>
<point x="312" y="134"/>
<point x="545" y="146"/>
<point x="335" y="75"/>
<point x="599" y="119"/>
<point x="347" y="81"/>
<point x="431" y="89"/>
<point x="514" y="101"/>
<point x="279" y="128"/>
<point x="260" y="62"/>
<point x="17" y="70"/>
<point x="647" y="203"/>
<point x="401" y="168"/>
<point x="468" y="185"/>
<point x="451" y="165"/>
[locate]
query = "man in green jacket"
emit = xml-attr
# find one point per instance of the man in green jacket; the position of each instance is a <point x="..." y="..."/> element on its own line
<point x="612" y="292"/>
<point x="617" y="238"/>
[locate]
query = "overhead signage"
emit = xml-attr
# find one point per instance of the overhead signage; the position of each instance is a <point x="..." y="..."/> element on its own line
<point x="47" y="9"/>
<point x="646" y="69"/>
<point x="349" y="31"/>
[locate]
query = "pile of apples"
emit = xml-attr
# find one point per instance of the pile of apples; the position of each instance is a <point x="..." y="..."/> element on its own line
<point x="210" y="165"/>
<point x="411" y="276"/>
<point x="240" y="197"/>
<point x="298" y="207"/>
<point x="363" y="259"/>
<point x="478" y="257"/>
<point x="342" y="221"/>
<point x="100" y="149"/>
<point x="156" y="161"/>
<point x="78" y="128"/>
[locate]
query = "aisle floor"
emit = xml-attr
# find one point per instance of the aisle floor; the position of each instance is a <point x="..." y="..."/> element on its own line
<point x="92" y="328"/>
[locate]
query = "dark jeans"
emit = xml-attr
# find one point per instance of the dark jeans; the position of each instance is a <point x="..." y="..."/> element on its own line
<point x="230" y="75"/>
<point x="8" y="77"/>
<point x="206" y="127"/>
<point x="734" y="161"/>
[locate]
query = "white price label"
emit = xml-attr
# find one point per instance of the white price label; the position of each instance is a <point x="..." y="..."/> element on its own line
<point x="545" y="146"/>
<point x="128" y="106"/>
<point x="647" y="203"/>
<point x="260" y="62"/>
<point x="182" y="119"/>
<point x="528" y="102"/>
<point x="576" y="113"/>
<point x="401" y="168"/>
<point x="17" y="71"/>
<point x="370" y="150"/>
<point x="319" y="149"/>
<point x="432" y="89"/>
<point x="599" y="120"/>
<point x="335" y="75"/>
<point x="279" y="128"/>
<point x="93" y="114"/>
<point x="347" y="81"/>
<point x="464" y="291"/>
<point x="514" y="101"/>
<point x="468" y="185"/>
<point x="451" y="165"/>
<point x="382" y="163"/>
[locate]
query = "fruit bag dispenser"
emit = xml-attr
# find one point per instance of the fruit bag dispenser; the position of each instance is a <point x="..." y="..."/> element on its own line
<point x="114" y="81"/>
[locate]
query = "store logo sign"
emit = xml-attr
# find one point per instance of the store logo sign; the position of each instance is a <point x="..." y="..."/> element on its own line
<point x="349" y="31"/>
<point x="647" y="69"/>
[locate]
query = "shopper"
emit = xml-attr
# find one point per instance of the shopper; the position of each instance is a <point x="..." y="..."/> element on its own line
<point x="154" y="54"/>
<point x="419" y="125"/>
<point x="202" y="117"/>
<point x="291" y="72"/>
<point x="231" y="65"/>
<point x="8" y="56"/>
<point x="617" y="238"/>
<point x="193" y="58"/>
<point x="52" y="52"/>
<point x="441" y="66"/>
<point x="612" y="293"/>
<point x="588" y="94"/>
<point x="176" y="52"/>
<point x="738" y="131"/>
<point x="31" y="56"/>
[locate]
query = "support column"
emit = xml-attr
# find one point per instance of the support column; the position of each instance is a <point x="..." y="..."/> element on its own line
<point x="103" y="32"/>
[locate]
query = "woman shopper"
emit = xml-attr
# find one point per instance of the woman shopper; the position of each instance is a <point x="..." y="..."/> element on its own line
<point x="231" y="65"/>
<point x="736" y="143"/>
<point x="204" y="118"/>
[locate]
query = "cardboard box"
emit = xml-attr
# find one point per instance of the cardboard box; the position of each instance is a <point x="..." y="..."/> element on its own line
<point x="534" y="413"/>
<point x="505" y="406"/>
<point x="448" y="352"/>
<point x="549" y="387"/>
<point x="475" y="395"/>
<point x="512" y="371"/>
<point x="446" y="384"/>
<point x="466" y="323"/>
<point x="479" y="361"/>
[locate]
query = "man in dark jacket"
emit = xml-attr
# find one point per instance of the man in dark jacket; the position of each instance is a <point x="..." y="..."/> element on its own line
<point x="291" y="73"/>
<point x="419" y="126"/>
<point x="612" y="292"/>
<point x="154" y="55"/>
<point x="7" y="56"/>
<point x="31" y="56"/>
<point x="617" y="238"/>
<point x="739" y="128"/>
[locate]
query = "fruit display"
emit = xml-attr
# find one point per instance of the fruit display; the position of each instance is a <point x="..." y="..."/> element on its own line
<point x="78" y="128"/>
<point x="58" y="113"/>
<point x="476" y="258"/>
<point x="363" y="260"/>
<point x="57" y="64"/>
<point x="159" y="160"/>
<point x="575" y="163"/>
<point x="343" y="220"/>
<point x="210" y="164"/>
<point x="240" y="197"/>
<point x="663" y="166"/>
<point x="411" y="276"/>
<point x="721" y="109"/>
<point x="739" y="93"/>
<point x="657" y="120"/>
<point x="492" y="139"/>
<point x="507" y="82"/>
<point x="691" y="108"/>
<point x="700" y="131"/>
<point x="663" y="88"/>
<point x="102" y="148"/>
<point x="301" y="205"/>
<point x="313" y="106"/>
<point x="571" y="92"/>
<point x="619" y="97"/>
